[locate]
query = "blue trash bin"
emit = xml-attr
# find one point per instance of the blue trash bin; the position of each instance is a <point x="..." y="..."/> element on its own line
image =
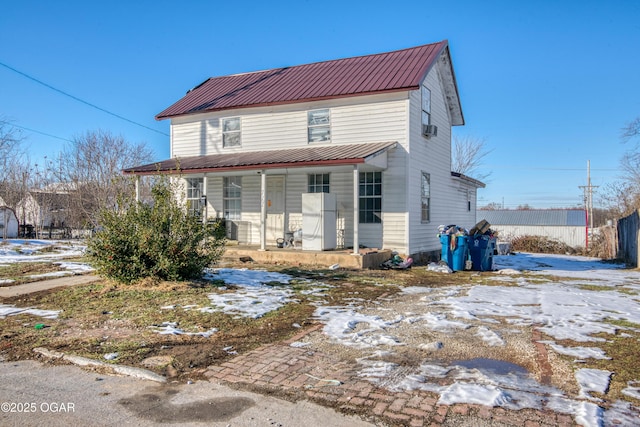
<point x="481" y="251"/>
<point x="457" y="257"/>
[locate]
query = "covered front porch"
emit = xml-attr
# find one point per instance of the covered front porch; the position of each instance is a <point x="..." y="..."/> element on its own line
<point x="339" y="258"/>
<point x="260" y="196"/>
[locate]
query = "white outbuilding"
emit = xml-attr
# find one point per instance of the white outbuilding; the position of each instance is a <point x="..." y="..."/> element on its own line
<point x="8" y="223"/>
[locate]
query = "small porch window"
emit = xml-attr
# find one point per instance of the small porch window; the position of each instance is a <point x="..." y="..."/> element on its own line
<point x="318" y="183"/>
<point x="425" y="198"/>
<point x="370" y="194"/>
<point x="194" y="196"/>
<point x="232" y="197"/>
<point x="231" y="132"/>
<point x="319" y="125"/>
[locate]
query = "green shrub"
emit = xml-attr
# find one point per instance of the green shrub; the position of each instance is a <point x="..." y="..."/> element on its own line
<point x="159" y="240"/>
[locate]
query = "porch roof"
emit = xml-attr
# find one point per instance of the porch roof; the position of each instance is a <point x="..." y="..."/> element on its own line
<point x="326" y="155"/>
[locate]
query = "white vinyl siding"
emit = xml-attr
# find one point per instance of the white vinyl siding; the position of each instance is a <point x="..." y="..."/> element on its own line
<point x="433" y="155"/>
<point x="376" y="118"/>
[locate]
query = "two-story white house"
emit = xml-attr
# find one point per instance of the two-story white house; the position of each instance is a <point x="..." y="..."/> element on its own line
<point x="373" y="131"/>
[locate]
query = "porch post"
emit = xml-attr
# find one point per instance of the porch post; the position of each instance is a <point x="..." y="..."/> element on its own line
<point x="263" y="210"/>
<point x="137" y="188"/>
<point x="356" y="208"/>
<point x="205" y="213"/>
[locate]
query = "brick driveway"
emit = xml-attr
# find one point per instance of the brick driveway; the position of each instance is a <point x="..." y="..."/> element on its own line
<point x="300" y="373"/>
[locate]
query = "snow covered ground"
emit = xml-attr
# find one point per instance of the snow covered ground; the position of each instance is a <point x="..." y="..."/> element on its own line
<point x="19" y="250"/>
<point x="566" y="298"/>
<point x="563" y="297"/>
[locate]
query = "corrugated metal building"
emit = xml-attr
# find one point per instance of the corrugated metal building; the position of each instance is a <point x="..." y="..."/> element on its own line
<point x="565" y="225"/>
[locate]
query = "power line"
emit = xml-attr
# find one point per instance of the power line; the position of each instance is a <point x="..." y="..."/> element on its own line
<point x="547" y="168"/>
<point x="80" y="100"/>
<point x="41" y="133"/>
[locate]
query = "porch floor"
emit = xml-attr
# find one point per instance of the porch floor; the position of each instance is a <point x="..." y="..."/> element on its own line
<point x="368" y="258"/>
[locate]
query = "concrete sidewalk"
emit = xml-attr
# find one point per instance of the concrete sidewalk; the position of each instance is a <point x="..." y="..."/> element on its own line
<point x="43" y="285"/>
<point x="36" y="394"/>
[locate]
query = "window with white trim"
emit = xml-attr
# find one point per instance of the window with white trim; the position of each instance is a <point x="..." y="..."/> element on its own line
<point x="425" y="198"/>
<point x="195" y="201"/>
<point x="318" y="183"/>
<point x="231" y="132"/>
<point x="319" y="125"/>
<point x="426" y="105"/>
<point x="370" y="198"/>
<point x="232" y="197"/>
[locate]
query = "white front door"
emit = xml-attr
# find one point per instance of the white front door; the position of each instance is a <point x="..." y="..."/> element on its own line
<point x="275" y="208"/>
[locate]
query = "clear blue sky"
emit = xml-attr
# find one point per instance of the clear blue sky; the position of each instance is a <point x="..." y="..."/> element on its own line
<point x="548" y="84"/>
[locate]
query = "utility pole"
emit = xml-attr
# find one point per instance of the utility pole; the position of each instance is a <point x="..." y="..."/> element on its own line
<point x="588" y="201"/>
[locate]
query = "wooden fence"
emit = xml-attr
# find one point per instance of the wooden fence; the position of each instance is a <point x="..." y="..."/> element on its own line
<point x="629" y="239"/>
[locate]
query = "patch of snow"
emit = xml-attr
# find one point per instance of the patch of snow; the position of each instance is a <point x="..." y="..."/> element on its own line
<point x="439" y="268"/>
<point x="488" y="395"/>
<point x="12" y="310"/>
<point x="564" y="311"/>
<point x="76" y="267"/>
<point x="51" y="274"/>
<point x="171" y="328"/>
<point x="21" y="250"/>
<point x="439" y="322"/>
<point x="250" y="301"/>
<point x="431" y="346"/>
<point x="298" y="344"/>
<point x="413" y="290"/>
<point x="579" y="352"/>
<point x="632" y="389"/>
<point x="490" y="337"/>
<point x="595" y="380"/>
<point x="246" y="277"/>
<point x="589" y="415"/>
<point x="341" y="322"/>
<point x="509" y="271"/>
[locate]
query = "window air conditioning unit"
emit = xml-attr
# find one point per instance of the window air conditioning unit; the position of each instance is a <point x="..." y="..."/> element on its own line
<point x="429" y="130"/>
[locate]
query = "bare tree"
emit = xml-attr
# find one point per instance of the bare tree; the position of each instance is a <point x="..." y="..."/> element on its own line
<point x="623" y="196"/>
<point x="493" y="206"/>
<point x="467" y="155"/>
<point x="10" y="152"/>
<point x="631" y="130"/>
<point x="620" y="198"/>
<point x="93" y="164"/>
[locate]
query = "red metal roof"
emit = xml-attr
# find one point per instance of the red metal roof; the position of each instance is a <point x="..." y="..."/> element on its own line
<point x="383" y="72"/>
<point x="327" y="155"/>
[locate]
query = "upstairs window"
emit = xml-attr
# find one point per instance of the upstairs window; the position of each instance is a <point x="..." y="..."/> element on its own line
<point x="370" y="198"/>
<point x="319" y="125"/>
<point x="426" y="105"/>
<point x="231" y="132"/>
<point x="318" y="183"/>
<point x="425" y="198"/>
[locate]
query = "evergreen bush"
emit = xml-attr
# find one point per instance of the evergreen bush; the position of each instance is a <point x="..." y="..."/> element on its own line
<point x="159" y="240"/>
